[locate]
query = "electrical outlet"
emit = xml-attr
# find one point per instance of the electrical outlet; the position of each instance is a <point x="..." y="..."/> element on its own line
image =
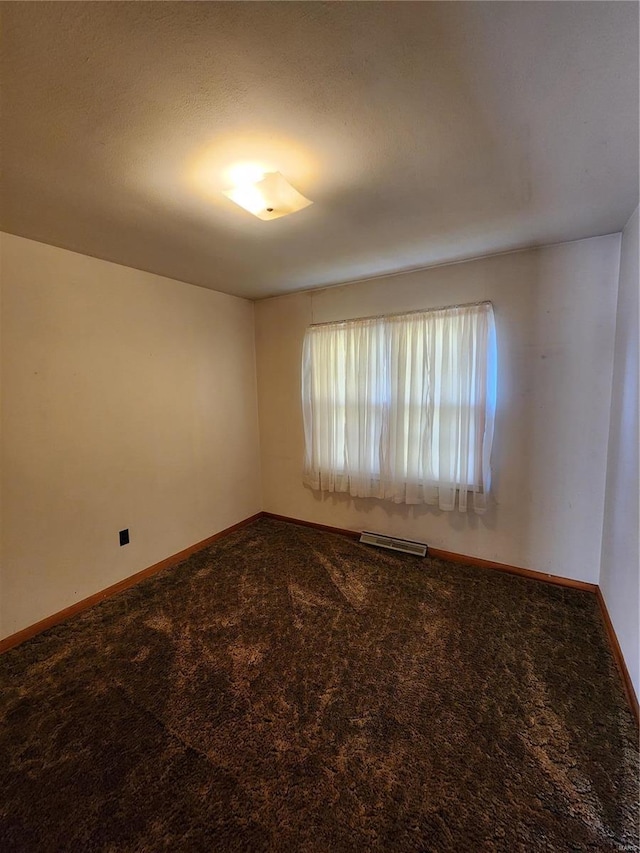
<point x="124" y="537"/>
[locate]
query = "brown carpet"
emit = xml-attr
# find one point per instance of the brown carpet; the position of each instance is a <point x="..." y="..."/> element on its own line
<point x="291" y="690"/>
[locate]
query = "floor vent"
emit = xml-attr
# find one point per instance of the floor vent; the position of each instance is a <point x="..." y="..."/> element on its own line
<point x="419" y="549"/>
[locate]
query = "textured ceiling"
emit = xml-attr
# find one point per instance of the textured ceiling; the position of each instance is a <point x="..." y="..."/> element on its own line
<point x="423" y="132"/>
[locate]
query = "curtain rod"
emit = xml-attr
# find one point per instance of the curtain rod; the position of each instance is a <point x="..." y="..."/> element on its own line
<point x="400" y="314"/>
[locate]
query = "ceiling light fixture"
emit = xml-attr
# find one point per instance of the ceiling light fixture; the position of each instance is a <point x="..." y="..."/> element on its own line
<point x="269" y="197"/>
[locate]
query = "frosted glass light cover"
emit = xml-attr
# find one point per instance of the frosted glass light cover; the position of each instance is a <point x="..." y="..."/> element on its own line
<point x="269" y="198"/>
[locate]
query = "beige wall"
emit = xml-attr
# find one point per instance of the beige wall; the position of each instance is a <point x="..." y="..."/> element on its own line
<point x="555" y="315"/>
<point x="620" y="570"/>
<point x="129" y="400"/>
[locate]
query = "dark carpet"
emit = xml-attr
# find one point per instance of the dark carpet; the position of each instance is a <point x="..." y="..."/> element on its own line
<point x="292" y="690"/>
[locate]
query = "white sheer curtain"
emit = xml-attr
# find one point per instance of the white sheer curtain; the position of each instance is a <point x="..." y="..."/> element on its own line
<point x="402" y="407"/>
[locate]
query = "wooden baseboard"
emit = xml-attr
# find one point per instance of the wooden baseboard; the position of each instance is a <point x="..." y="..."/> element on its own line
<point x="341" y="531"/>
<point x="557" y="580"/>
<point x="452" y="557"/>
<point x="62" y="615"/>
<point x="618" y="656"/>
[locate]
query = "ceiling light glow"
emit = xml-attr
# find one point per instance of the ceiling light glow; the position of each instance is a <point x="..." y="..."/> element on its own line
<point x="246" y="173"/>
<point x="270" y="196"/>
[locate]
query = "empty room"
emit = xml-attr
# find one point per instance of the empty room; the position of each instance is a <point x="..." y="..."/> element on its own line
<point x="319" y="427"/>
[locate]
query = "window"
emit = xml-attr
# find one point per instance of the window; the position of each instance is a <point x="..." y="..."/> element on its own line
<point x="402" y="407"/>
